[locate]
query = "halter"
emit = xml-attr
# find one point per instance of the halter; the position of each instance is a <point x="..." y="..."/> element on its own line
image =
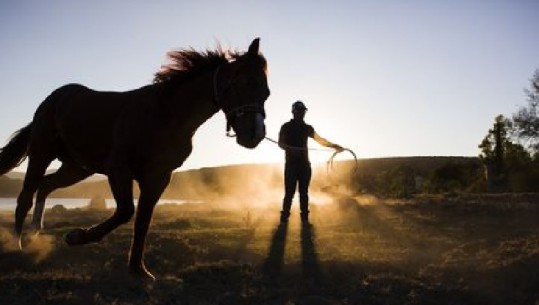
<point x="234" y="112"/>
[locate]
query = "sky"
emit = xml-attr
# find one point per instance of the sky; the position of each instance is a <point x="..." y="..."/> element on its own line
<point x="383" y="78"/>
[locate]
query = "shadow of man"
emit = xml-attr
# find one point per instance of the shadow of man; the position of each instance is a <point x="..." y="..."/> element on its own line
<point x="273" y="264"/>
<point x="309" y="256"/>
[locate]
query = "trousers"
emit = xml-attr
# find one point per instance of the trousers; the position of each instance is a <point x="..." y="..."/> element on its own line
<point x="297" y="175"/>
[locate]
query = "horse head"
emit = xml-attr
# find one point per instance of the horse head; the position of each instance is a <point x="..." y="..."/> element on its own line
<point x="241" y="88"/>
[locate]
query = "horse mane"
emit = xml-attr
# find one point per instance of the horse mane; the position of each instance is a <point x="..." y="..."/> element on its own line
<point x="186" y="63"/>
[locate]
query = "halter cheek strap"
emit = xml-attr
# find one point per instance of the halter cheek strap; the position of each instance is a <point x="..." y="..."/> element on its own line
<point x="234" y="112"/>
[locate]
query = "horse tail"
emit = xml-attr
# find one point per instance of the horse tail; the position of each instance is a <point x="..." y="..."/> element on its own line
<point x="16" y="150"/>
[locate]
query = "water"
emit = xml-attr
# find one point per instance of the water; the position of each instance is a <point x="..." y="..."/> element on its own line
<point x="9" y="204"/>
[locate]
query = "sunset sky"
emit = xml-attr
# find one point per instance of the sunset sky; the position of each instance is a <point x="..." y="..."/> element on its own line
<point x="384" y="78"/>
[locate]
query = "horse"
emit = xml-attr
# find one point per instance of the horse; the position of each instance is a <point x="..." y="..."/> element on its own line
<point x="139" y="135"/>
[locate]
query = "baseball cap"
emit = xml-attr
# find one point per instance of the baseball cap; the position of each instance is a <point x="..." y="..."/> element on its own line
<point x="298" y="105"/>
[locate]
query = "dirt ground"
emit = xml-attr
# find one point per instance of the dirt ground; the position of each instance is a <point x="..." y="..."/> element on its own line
<point x="455" y="249"/>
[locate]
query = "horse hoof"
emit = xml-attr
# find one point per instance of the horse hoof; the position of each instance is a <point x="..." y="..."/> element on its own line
<point x="76" y="237"/>
<point x="35" y="231"/>
<point x="17" y="243"/>
<point x="141" y="273"/>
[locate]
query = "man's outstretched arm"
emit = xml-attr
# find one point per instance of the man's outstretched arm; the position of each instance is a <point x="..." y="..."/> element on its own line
<point x="326" y="143"/>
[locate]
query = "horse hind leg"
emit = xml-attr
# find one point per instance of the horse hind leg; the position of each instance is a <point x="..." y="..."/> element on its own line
<point x="68" y="174"/>
<point x="37" y="165"/>
<point x="121" y="185"/>
<point x="42" y="150"/>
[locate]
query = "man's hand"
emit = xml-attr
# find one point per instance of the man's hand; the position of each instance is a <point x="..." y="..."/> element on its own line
<point x="337" y="147"/>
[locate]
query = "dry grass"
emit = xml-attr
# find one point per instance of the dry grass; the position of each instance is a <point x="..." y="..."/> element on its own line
<point x="430" y="250"/>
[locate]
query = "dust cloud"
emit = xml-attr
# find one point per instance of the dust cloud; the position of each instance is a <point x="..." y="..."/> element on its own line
<point x="8" y="242"/>
<point x="37" y="246"/>
<point x="255" y="186"/>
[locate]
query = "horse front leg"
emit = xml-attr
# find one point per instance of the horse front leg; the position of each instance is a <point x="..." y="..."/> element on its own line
<point x="150" y="191"/>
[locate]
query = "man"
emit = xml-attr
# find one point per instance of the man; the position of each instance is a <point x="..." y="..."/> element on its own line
<point x="293" y="139"/>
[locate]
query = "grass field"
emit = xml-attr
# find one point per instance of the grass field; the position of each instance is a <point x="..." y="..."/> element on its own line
<point x="460" y="249"/>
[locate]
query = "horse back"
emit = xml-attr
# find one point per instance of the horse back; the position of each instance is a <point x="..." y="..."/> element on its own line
<point x="100" y="130"/>
<point x="86" y="123"/>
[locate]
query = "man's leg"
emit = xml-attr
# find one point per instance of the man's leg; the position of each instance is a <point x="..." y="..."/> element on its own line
<point x="290" y="182"/>
<point x="304" y="181"/>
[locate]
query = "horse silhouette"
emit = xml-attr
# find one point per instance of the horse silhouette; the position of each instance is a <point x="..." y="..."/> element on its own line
<point x="140" y="135"/>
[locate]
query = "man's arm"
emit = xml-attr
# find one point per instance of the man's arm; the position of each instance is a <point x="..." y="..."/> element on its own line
<point x="325" y="142"/>
<point x="282" y="143"/>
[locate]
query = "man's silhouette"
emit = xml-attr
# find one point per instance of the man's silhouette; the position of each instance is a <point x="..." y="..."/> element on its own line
<point x="293" y="139"/>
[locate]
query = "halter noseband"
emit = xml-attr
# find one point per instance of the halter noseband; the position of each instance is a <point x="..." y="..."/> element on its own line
<point x="236" y="111"/>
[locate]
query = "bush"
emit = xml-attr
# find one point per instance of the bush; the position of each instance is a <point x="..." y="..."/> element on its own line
<point x="97" y="203"/>
<point x="453" y="177"/>
<point x="58" y="209"/>
<point x="396" y="182"/>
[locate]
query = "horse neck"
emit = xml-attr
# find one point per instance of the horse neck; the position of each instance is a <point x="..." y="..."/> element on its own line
<point x="192" y="104"/>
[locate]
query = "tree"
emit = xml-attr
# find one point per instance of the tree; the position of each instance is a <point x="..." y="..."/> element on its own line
<point x="492" y="154"/>
<point x="526" y="120"/>
<point x="493" y="145"/>
<point x="509" y="166"/>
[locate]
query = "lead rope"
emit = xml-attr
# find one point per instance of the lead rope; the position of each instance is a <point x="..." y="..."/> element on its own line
<point x="329" y="163"/>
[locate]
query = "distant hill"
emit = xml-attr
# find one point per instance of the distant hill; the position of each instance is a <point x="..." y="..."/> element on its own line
<point x="9" y="187"/>
<point x="247" y="180"/>
<point x="420" y="165"/>
<point x="20" y="176"/>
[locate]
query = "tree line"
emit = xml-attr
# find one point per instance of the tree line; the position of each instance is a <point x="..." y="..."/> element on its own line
<point x="510" y="150"/>
<point x="508" y="161"/>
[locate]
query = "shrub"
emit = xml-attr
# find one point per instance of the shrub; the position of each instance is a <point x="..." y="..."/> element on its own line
<point x="97" y="203"/>
<point x="58" y="209"/>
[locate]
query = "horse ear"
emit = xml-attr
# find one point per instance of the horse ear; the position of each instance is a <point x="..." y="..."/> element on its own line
<point x="253" y="48"/>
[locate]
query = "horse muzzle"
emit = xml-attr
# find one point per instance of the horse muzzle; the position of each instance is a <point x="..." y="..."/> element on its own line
<point x="251" y="136"/>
